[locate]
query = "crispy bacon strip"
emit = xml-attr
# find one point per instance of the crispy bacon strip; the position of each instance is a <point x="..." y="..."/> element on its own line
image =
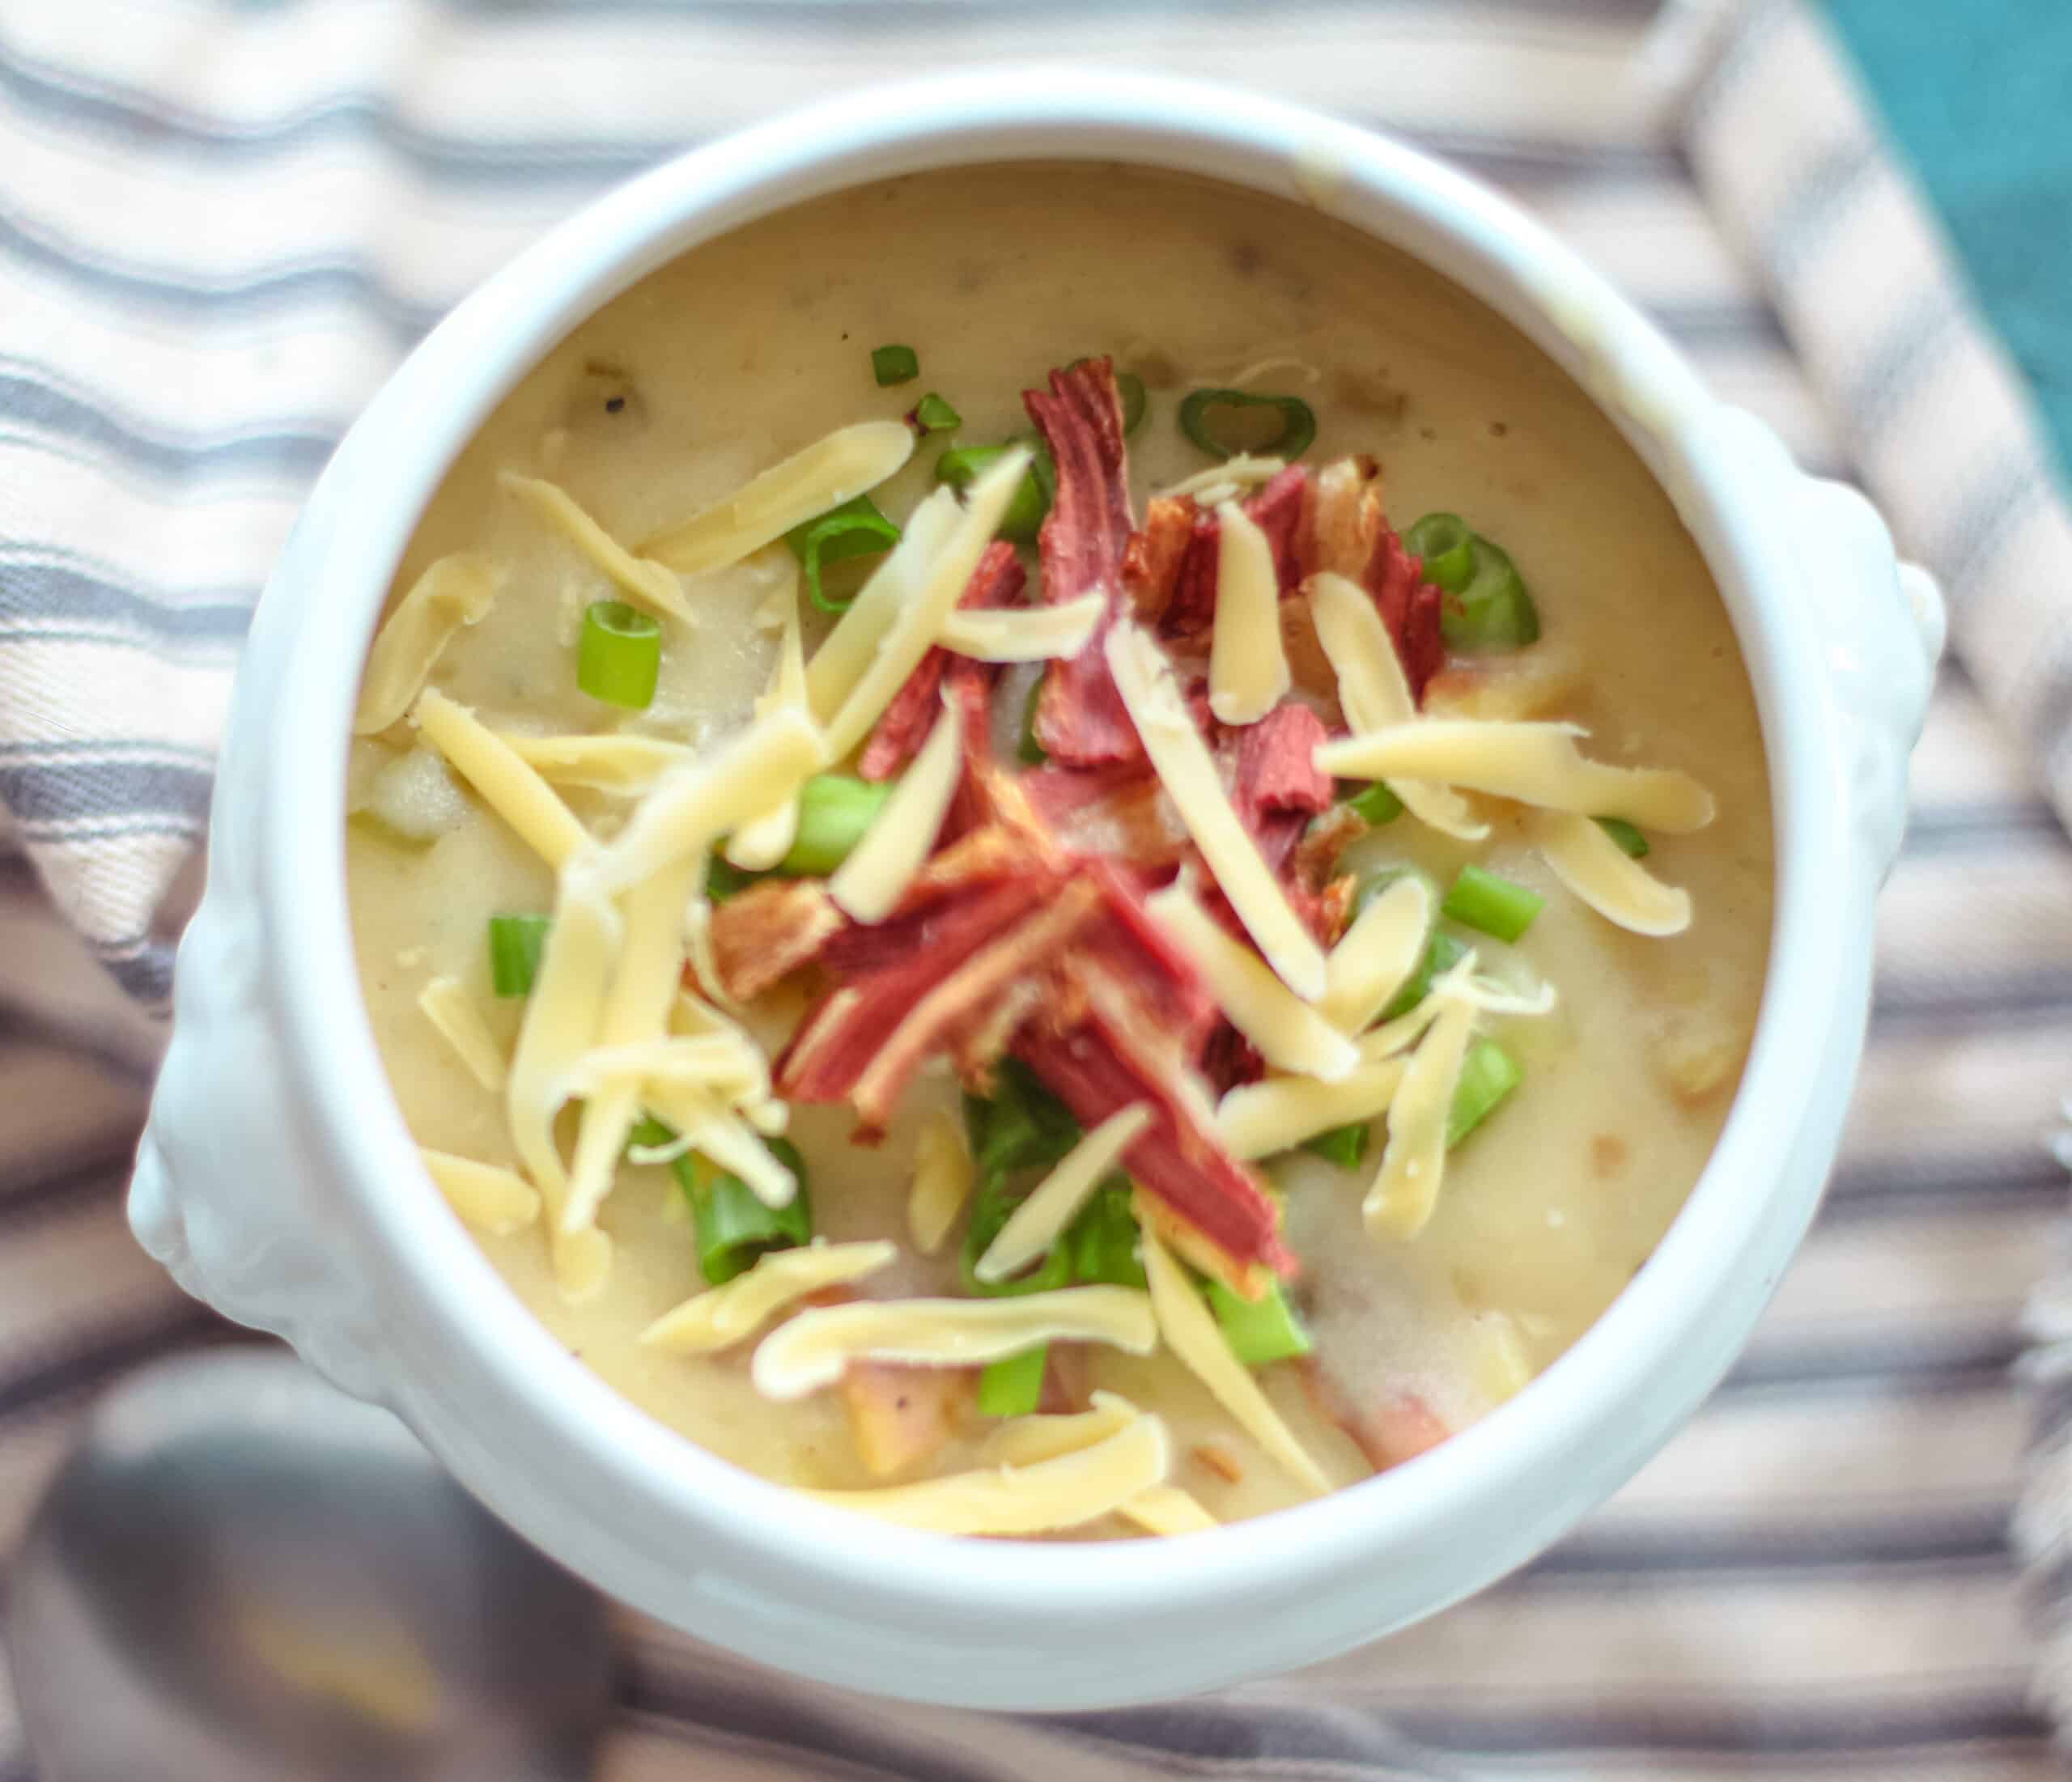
<point x="1169" y="568"/>
<point x="1276" y="772"/>
<point x="1410" y="607"/>
<point x="769" y="931"/>
<point x="997" y="581"/>
<point x="1079" y="718"/>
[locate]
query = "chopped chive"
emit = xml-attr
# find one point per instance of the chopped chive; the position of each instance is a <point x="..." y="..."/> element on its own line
<point x="1445" y="545"/>
<point x="649" y="1134"/>
<point x="1345" y="1145"/>
<point x="1013" y="1386"/>
<point x="1445" y="952"/>
<point x="724" y="879"/>
<point x="891" y="365"/>
<point x="1492" y="611"/>
<point x="1024" y="518"/>
<point x="1103" y="1238"/>
<point x="619" y="657"/>
<point x="733" y="1227"/>
<point x="1377" y="804"/>
<point x="1259" y="1330"/>
<point x="835" y="809"/>
<point x="515" y="943"/>
<point x="1488" y="1074"/>
<point x="933" y="414"/>
<point x="1630" y="840"/>
<point x="1496" y="905"/>
<point x="1023" y="1126"/>
<point x="1290" y="439"/>
<point x="855" y="528"/>
<point x="1029" y="749"/>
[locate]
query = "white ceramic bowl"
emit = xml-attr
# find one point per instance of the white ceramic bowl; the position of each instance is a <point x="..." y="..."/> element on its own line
<point x="276" y="1180"/>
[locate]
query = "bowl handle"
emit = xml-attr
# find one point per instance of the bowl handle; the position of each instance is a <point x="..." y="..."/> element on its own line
<point x="1881" y="622"/>
<point x="230" y="1191"/>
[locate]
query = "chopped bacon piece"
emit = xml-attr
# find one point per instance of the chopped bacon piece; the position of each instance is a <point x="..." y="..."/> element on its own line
<point x="1141" y="953"/>
<point x="1119" y="813"/>
<point x="1117" y="1054"/>
<point x="901" y="1416"/>
<point x="1170" y="567"/>
<point x="1410" y="607"/>
<point x="769" y="931"/>
<point x="1275" y="770"/>
<point x="1400" y="1428"/>
<point x="1345" y="517"/>
<point x="863" y="1044"/>
<point x="997" y="581"/>
<point x="1079" y="718"/>
<point x="1230" y="1059"/>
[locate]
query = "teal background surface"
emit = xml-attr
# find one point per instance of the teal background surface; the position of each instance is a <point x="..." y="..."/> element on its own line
<point x="1979" y="95"/>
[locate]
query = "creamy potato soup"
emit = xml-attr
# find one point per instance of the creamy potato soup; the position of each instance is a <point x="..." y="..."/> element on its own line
<point x="1052" y="850"/>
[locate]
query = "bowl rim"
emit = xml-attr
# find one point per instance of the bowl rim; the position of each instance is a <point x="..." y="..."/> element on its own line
<point x="437" y="1280"/>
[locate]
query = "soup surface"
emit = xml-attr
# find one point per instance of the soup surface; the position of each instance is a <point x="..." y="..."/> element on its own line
<point x="1508" y="1080"/>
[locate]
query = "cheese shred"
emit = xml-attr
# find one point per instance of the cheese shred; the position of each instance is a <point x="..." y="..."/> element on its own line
<point x="491" y="1199"/>
<point x="456" y="591"/>
<point x="761" y="842"/>
<point x="1534" y="763"/>
<point x="723" y="1316"/>
<point x="1054" y="1201"/>
<point x="1598" y="872"/>
<point x="1248" y="673"/>
<point x="448" y="1006"/>
<point x="943" y="1177"/>
<point x="1191" y="1333"/>
<point x="1027" y="634"/>
<point x="512" y="789"/>
<point x="640" y="579"/>
<point x="813" y="1349"/>
<point x="868" y="884"/>
<point x="1374" y="957"/>
<point x="1183" y="764"/>
<point x="1405" y="1191"/>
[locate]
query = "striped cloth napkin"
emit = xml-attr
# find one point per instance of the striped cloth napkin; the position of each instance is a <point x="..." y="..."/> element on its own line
<point x="220" y="225"/>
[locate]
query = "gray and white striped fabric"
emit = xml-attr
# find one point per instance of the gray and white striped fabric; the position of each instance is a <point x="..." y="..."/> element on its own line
<point x="220" y="224"/>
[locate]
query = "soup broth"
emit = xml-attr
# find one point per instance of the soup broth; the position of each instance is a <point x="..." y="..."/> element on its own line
<point x="1625" y="1046"/>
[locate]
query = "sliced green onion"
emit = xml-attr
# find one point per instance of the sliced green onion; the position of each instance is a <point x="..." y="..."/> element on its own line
<point x="1496" y="905"/>
<point x="1447" y="547"/>
<point x="1630" y="840"/>
<point x="1029" y="749"/>
<point x="515" y="943"/>
<point x="1129" y="387"/>
<point x="1024" y="518"/>
<point x="1103" y="1239"/>
<point x="991" y="1208"/>
<point x="856" y="529"/>
<point x="1488" y="1074"/>
<point x="933" y="414"/>
<point x="649" y="1134"/>
<point x="1492" y="611"/>
<point x="1345" y="1145"/>
<point x="724" y="879"/>
<point x="1445" y="952"/>
<point x="1023" y="1126"/>
<point x="1259" y="1330"/>
<point x="1297" y="429"/>
<point x="891" y="365"/>
<point x="835" y="809"/>
<point x="1377" y="804"/>
<point x="619" y="656"/>
<point x="733" y="1227"/>
<point x="1013" y="1387"/>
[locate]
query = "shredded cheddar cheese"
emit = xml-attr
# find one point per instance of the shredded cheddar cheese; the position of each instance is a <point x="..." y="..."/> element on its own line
<point x="1184" y="768"/>
<point x="1190" y="1331"/>
<point x="868" y="884"/>
<point x="1375" y="957"/>
<point x="1278" y="1113"/>
<point x="761" y="842"/>
<point x="1290" y="1034"/>
<point x="512" y="789"/>
<point x="456" y="591"/>
<point x="1248" y="673"/>
<point x="1041" y="1217"/>
<point x="1533" y="763"/>
<point x="1029" y="633"/>
<point x="943" y="1177"/>
<point x="811" y="1350"/>
<point x="448" y="1006"/>
<point x="497" y="1201"/>
<point x="839" y="468"/>
<point x="1065" y="1492"/>
<point x="722" y="1316"/>
<point x="606" y="762"/>
<point x="1405" y="1190"/>
<point x="1600" y="872"/>
<point x="653" y="585"/>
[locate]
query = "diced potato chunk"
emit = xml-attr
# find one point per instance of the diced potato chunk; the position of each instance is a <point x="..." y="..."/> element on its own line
<point x="899" y="1416"/>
